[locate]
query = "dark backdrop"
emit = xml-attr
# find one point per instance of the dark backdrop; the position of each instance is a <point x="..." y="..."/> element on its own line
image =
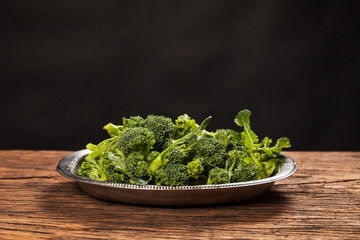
<point x="70" y="67"/>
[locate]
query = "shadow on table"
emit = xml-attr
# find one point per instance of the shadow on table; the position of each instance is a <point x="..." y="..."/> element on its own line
<point x="66" y="202"/>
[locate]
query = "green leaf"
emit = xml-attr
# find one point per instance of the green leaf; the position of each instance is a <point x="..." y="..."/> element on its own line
<point x="281" y="143"/>
<point x="275" y="150"/>
<point x="248" y="137"/>
<point x="266" y="142"/>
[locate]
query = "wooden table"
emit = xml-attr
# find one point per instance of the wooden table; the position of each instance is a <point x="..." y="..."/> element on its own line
<point x="320" y="201"/>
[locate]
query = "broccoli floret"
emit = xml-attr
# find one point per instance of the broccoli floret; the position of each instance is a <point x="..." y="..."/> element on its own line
<point x="173" y="174"/>
<point x="135" y="121"/>
<point x="195" y="168"/>
<point x="218" y="176"/>
<point x="211" y="151"/>
<point x="152" y="156"/>
<point x="132" y="168"/>
<point x="179" y="154"/>
<point x="116" y="176"/>
<point x="136" y="139"/>
<point x="183" y="125"/>
<point x="245" y="172"/>
<point x="90" y="169"/>
<point x="229" y="138"/>
<point x="136" y="166"/>
<point x="162" y="127"/>
<point x="208" y="146"/>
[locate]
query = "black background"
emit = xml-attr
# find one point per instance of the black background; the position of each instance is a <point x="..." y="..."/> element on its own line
<point x="70" y="67"/>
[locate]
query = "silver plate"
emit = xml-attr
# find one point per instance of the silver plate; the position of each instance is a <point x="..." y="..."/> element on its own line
<point x="171" y="196"/>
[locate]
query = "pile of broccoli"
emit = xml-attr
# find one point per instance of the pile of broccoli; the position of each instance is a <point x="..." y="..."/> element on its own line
<point x="158" y="151"/>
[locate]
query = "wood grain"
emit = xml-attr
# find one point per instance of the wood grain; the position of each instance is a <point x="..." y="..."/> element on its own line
<point x="320" y="201"/>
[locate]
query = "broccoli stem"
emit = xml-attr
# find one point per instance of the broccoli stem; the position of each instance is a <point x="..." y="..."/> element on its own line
<point x="258" y="164"/>
<point x="102" y="172"/>
<point x="158" y="162"/>
<point x="270" y="166"/>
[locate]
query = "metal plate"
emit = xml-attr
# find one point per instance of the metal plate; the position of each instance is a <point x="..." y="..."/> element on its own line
<point x="171" y="196"/>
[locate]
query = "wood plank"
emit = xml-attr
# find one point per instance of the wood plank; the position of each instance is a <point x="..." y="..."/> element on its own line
<point x="320" y="201"/>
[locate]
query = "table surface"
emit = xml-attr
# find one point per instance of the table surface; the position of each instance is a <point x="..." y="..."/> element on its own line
<point x="320" y="201"/>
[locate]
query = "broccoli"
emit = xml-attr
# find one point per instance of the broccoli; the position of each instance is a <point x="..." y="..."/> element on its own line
<point x="195" y="168"/>
<point x="93" y="166"/>
<point x="180" y="154"/>
<point x="154" y="150"/>
<point x="265" y="149"/>
<point x="173" y="174"/>
<point x="116" y="176"/>
<point x="97" y="151"/>
<point x="245" y="172"/>
<point x="184" y="125"/>
<point x="218" y="176"/>
<point x="113" y="130"/>
<point x="211" y="151"/>
<point x="163" y="128"/>
<point x="161" y="159"/>
<point x="229" y="138"/>
<point x="258" y="152"/>
<point x="152" y="156"/>
<point x="136" y="139"/>
<point x="132" y="168"/>
<point x="135" y="121"/>
<point x="271" y="166"/>
<point x="136" y="166"/>
<point x="92" y="170"/>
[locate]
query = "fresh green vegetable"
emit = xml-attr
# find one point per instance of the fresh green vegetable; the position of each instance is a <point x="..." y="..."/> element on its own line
<point x="172" y="174"/>
<point x="163" y="128"/>
<point x="218" y="175"/>
<point x="259" y="153"/>
<point x="195" y="168"/>
<point x="158" y="151"/>
<point x="161" y="160"/>
<point x="136" y="139"/>
<point x="211" y="151"/>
